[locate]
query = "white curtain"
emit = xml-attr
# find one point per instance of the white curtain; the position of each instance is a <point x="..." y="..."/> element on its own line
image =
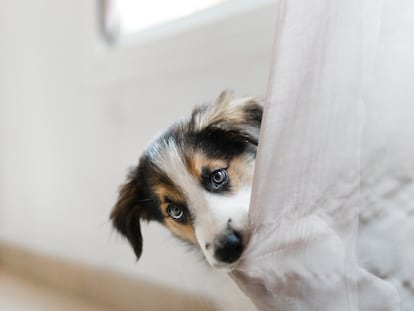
<point x="327" y="115"/>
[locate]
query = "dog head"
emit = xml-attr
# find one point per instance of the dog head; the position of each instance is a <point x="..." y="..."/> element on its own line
<point x="196" y="180"/>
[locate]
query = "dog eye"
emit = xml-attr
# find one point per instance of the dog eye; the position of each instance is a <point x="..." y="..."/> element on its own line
<point x="175" y="211"/>
<point x="219" y="177"/>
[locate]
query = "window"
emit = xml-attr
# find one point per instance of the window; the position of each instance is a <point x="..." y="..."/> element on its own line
<point x="124" y="17"/>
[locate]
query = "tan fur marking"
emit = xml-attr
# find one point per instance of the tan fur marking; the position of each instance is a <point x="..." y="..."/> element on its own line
<point x="240" y="172"/>
<point x="166" y="191"/>
<point x="196" y="161"/>
<point x="183" y="231"/>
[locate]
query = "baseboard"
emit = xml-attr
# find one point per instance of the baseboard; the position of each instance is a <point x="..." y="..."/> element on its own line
<point x="113" y="290"/>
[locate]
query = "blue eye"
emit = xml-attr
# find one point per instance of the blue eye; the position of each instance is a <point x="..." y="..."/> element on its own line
<point x="175" y="211"/>
<point x="219" y="177"/>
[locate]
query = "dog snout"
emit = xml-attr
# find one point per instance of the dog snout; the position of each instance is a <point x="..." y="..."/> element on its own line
<point x="228" y="247"/>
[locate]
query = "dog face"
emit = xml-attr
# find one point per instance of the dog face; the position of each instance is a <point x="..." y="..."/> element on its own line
<point x="196" y="180"/>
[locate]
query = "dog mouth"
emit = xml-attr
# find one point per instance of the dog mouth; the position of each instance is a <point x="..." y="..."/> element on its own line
<point x="225" y="267"/>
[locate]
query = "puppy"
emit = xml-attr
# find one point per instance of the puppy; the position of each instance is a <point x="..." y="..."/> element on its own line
<point x="196" y="180"/>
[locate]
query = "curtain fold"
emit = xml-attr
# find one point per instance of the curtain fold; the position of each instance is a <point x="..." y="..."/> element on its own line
<point x="305" y="200"/>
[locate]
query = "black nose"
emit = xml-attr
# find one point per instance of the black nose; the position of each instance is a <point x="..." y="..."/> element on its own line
<point x="228" y="248"/>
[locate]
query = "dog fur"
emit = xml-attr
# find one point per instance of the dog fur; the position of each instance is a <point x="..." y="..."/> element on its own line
<point x="196" y="180"/>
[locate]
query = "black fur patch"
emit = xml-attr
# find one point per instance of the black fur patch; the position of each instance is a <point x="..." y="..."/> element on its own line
<point x="137" y="201"/>
<point x="218" y="143"/>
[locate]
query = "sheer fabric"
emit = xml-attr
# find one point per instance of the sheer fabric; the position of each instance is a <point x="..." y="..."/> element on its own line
<point x="306" y="196"/>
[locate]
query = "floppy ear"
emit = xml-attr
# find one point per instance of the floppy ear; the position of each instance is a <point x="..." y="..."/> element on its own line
<point x="126" y="215"/>
<point x="240" y="117"/>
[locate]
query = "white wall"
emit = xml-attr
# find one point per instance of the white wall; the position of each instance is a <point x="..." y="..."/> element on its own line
<point x="75" y="114"/>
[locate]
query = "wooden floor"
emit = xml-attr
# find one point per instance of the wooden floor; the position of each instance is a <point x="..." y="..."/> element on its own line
<point x="31" y="281"/>
<point x="19" y="294"/>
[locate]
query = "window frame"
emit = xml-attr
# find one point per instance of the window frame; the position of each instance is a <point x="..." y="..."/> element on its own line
<point x="109" y="21"/>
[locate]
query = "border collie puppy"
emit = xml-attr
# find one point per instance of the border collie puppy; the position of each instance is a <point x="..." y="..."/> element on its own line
<point x="196" y="180"/>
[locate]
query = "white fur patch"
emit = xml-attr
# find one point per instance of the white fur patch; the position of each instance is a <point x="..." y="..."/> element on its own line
<point x="220" y="212"/>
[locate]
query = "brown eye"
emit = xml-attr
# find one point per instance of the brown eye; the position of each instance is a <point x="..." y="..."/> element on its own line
<point x="176" y="212"/>
<point x="219" y="177"/>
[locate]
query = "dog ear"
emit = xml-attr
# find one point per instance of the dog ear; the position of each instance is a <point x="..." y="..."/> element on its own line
<point x="127" y="213"/>
<point x="240" y="117"/>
